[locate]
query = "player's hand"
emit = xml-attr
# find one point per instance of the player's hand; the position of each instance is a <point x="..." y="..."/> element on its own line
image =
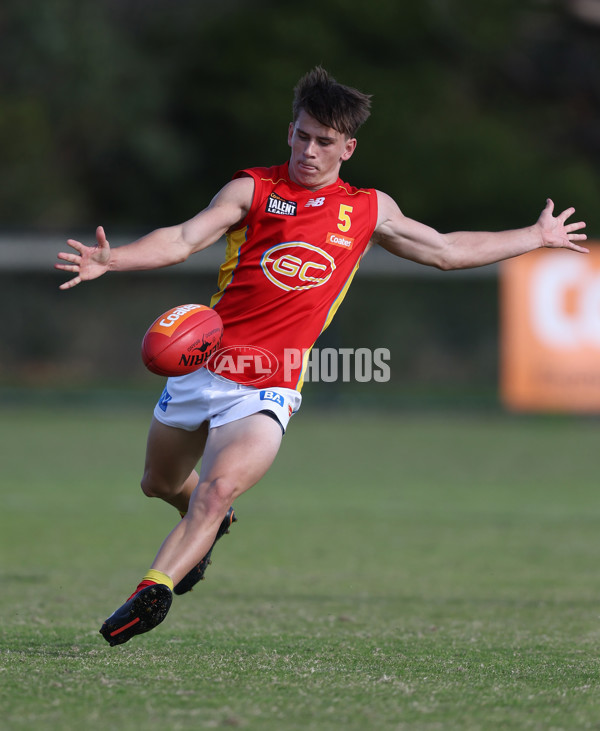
<point x="90" y="262"/>
<point x="556" y="233"/>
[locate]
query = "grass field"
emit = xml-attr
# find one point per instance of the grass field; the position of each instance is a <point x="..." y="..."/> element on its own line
<point x="401" y="571"/>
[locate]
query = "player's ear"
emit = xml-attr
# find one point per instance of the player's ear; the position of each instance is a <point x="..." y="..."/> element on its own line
<point x="349" y="148"/>
<point x="290" y="133"/>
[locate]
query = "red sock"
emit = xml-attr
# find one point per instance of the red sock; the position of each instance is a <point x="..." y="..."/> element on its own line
<point x="142" y="585"/>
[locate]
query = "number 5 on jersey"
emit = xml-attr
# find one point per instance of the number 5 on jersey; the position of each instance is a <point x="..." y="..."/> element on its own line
<point x="344" y="217"/>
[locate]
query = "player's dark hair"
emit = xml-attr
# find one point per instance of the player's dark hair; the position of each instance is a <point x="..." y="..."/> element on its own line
<point x="334" y="105"/>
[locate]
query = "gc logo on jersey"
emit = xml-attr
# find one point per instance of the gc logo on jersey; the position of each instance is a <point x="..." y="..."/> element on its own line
<point x="297" y="265"/>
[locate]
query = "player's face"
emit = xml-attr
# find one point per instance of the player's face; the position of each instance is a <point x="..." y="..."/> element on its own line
<point x="317" y="152"/>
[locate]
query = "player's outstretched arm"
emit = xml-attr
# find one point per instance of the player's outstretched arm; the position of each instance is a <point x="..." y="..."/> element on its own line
<point x="160" y="248"/>
<point x="412" y="240"/>
<point x="89" y="262"/>
<point x="556" y="233"/>
<point x="164" y="246"/>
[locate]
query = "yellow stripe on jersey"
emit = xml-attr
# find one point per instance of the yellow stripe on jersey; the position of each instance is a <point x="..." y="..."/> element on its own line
<point x="304" y="367"/>
<point x="340" y="298"/>
<point x="270" y="180"/>
<point x="356" y="192"/>
<point x="235" y="239"/>
<point x="330" y="315"/>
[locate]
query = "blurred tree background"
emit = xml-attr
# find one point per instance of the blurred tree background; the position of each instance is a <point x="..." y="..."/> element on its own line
<point x="132" y="113"/>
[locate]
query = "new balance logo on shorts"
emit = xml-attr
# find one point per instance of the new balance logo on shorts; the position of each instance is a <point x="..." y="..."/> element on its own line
<point x="271" y="396"/>
<point x="163" y="402"/>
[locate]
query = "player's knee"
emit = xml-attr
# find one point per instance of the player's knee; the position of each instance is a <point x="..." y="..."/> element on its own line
<point x="152" y="486"/>
<point x="218" y="494"/>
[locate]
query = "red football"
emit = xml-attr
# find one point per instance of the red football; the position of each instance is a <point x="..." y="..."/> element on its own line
<point x="181" y="340"/>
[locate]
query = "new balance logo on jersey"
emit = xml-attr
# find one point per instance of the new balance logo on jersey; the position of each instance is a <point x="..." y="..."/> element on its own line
<point x="315" y="202"/>
<point x="280" y="206"/>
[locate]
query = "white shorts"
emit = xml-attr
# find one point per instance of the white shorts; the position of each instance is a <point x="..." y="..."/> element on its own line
<point x="190" y="400"/>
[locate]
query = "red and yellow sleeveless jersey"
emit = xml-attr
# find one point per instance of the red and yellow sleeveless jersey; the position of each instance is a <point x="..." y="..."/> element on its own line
<point x="287" y="269"/>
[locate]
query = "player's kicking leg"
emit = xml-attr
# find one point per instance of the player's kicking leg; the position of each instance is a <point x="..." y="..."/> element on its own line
<point x="170" y="474"/>
<point x="236" y="457"/>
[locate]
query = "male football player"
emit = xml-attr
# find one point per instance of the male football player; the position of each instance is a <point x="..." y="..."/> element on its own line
<point x="295" y="237"/>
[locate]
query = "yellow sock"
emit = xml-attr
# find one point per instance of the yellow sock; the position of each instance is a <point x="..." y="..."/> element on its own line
<point x="159" y="578"/>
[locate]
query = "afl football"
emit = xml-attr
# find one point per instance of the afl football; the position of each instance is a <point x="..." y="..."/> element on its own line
<point x="181" y="340"/>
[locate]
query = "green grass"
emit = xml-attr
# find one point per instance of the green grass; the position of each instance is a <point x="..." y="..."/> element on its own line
<point x="392" y="571"/>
